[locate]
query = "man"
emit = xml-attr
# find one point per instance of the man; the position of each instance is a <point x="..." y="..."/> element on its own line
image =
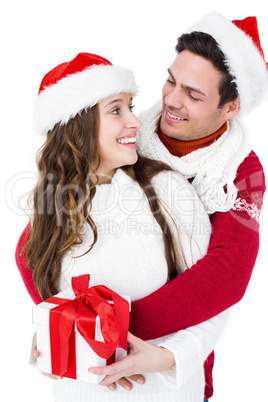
<point x="218" y="75"/>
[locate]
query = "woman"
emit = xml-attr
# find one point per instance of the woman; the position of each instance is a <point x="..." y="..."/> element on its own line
<point x="132" y="223"/>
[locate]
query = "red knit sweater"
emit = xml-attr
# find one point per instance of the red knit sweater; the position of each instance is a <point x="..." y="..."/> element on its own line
<point x="213" y="284"/>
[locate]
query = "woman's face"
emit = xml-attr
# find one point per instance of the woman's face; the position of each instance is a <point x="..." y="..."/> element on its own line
<point x="117" y="134"/>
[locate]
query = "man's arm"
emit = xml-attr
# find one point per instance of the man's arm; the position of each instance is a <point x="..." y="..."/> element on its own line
<point x="213" y="284"/>
<point x="22" y="263"/>
<point x="220" y="279"/>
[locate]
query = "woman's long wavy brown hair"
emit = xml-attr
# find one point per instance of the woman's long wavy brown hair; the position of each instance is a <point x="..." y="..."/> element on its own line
<point x="63" y="195"/>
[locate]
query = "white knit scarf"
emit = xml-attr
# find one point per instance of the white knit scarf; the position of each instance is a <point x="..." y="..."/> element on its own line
<point x="212" y="167"/>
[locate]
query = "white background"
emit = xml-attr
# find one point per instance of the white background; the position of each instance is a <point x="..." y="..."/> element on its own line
<point x="35" y="37"/>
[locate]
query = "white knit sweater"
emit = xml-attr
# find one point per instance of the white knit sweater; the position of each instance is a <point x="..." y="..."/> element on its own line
<point x="129" y="258"/>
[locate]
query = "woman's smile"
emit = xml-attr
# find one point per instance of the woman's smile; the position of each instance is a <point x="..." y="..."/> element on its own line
<point x="128" y="141"/>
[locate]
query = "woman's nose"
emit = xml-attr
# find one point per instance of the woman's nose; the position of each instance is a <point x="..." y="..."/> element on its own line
<point x="133" y="122"/>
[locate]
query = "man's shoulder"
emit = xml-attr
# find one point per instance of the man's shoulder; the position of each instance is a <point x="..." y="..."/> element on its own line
<point x="250" y="182"/>
<point x="250" y="165"/>
<point x="250" y="174"/>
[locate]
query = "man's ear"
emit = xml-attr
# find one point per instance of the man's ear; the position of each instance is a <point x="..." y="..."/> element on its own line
<point x="231" y="109"/>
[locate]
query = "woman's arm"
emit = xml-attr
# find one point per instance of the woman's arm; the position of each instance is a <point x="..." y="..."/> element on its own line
<point x="189" y="348"/>
<point x="143" y="357"/>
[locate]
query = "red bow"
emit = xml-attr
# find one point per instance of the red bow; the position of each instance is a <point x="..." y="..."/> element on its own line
<point x="83" y="310"/>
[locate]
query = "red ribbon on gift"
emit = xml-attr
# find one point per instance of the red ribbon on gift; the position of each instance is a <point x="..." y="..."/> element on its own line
<point x="83" y="310"/>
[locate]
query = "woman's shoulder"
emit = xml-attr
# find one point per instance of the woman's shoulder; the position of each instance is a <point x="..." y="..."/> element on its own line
<point x="172" y="182"/>
<point x="179" y="197"/>
<point x="185" y="213"/>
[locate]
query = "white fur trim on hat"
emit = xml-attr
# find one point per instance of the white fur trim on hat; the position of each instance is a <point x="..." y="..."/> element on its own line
<point x="63" y="100"/>
<point x="244" y="61"/>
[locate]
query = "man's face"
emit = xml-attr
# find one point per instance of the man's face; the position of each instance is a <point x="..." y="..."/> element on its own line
<point x="191" y="98"/>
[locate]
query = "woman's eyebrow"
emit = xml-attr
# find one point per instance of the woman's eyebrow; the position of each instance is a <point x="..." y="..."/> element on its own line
<point x="113" y="101"/>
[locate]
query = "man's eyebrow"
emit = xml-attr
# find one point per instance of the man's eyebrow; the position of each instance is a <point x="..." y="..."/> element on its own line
<point x="187" y="87"/>
<point x="170" y="73"/>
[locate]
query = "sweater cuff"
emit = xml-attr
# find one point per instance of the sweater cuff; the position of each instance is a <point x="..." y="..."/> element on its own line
<point x="139" y="325"/>
<point x="188" y="359"/>
<point x="169" y="377"/>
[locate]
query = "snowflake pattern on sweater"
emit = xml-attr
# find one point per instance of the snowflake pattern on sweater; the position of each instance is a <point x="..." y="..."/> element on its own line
<point x="250" y="182"/>
<point x="252" y="210"/>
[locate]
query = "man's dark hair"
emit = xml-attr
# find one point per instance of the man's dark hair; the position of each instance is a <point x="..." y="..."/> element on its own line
<point x="205" y="45"/>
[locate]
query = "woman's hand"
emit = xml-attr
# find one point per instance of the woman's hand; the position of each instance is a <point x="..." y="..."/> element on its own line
<point x="34" y="356"/>
<point x="144" y="357"/>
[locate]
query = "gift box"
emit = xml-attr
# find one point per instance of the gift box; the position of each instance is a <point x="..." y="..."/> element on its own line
<point x="81" y="327"/>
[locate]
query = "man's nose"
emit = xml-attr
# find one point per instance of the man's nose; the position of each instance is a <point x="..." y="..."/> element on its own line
<point x="174" y="99"/>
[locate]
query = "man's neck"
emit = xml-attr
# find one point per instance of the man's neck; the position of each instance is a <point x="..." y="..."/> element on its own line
<point x="181" y="148"/>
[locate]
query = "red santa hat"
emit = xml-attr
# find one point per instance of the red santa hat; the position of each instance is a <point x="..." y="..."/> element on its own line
<point x="76" y="85"/>
<point x="240" y="42"/>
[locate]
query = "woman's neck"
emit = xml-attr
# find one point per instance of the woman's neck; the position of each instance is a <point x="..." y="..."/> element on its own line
<point x="98" y="178"/>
